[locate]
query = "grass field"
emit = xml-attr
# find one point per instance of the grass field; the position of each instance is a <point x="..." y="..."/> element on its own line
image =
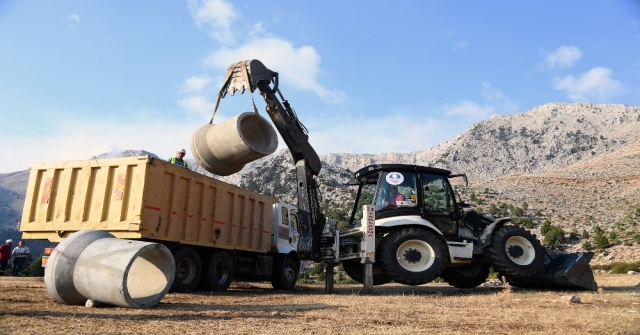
<point x="255" y="308"/>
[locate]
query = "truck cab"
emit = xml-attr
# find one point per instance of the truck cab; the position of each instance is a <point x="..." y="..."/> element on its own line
<point x="285" y="234"/>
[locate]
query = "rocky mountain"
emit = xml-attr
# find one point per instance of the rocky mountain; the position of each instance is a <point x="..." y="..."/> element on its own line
<point x="575" y="165"/>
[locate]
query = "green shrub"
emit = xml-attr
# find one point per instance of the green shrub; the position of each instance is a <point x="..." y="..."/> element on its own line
<point x="573" y="234"/>
<point x="554" y="237"/>
<point x="601" y="242"/>
<point x="518" y="212"/>
<point x="585" y="234"/>
<point x="618" y="267"/>
<point x="546" y="225"/>
<point x="587" y="246"/>
<point x="597" y="230"/>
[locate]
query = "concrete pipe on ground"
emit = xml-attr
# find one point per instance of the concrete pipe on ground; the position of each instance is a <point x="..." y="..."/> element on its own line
<point x="223" y="149"/>
<point x="93" y="264"/>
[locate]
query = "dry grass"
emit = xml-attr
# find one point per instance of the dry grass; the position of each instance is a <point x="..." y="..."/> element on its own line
<point x="254" y="308"/>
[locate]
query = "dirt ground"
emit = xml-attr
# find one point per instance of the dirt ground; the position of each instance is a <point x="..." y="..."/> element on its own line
<point x="255" y="308"/>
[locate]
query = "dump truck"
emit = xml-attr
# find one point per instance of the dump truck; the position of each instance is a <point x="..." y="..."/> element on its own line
<point x="217" y="232"/>
<point x="424" y="233"/>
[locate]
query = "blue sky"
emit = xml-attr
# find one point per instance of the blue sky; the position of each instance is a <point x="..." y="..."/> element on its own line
<point x="79" y="78"/>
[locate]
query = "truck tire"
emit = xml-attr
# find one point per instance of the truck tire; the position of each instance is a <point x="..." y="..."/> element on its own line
<point x="188" y="270"/>
<point x="289" y="277"/>
<point x="219" y="271"/>
<point x="466" y="276"/>
<point x="356" y="272"/>
<point x="412" y="256"/>
<point x="515" y="252"/>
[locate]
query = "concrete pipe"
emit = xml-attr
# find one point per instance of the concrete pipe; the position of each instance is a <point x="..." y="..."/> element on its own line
<point x="93" y="264"/>
<point x="223" y="149"/>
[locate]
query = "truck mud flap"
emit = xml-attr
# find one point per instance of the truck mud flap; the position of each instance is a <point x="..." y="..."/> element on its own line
<point x="563" y="271"/>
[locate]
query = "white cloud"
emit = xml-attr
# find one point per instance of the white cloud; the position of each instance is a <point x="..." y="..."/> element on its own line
<point x="298" y="67"/>
<point x="494" y="102"/>
<point x="392" y="133"/>
<point x="72" y="20"/>
<point x="596" y="85"/>
<point x="197" y="105"/>
<point x="497" y="99"/>
<point x="71" y="139"/>
<point x="461" y="46"/>
<point x="468" y="110"/>
<point x="195" y="83"/>
<point x="215" y="17"/>
<point x="563" y="57"/>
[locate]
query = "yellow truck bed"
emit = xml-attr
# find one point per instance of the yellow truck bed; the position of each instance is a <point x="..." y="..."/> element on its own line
<point x="143" y="198"/>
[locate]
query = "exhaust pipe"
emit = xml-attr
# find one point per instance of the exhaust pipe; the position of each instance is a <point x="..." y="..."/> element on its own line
<point x="93" y="264"/>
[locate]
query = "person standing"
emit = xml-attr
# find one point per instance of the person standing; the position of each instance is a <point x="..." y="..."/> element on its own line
<point x="5" y="255"/>
<point x="20" y="254"/>
<point x="179" y="159"/>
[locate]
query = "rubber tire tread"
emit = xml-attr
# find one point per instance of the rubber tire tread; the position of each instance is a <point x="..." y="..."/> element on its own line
<point x="389" y="264"/>
<point x="499" y="260"/>
<point x="216" y="258"/>
<point x="282" y="283"/>
<point x="454" y="277"/>
<point x="356" y="272"/>
<point x="178" y="256"/>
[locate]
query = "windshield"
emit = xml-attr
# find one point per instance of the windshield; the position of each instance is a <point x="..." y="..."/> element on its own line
<point x="396" y="190"/>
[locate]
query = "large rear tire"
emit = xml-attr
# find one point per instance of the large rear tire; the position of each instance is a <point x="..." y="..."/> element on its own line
<point x="466" y="276"/>
<point x="356" y="272"/>
<point x="515" y="252"/>
<point x="219" y="271"/>
<point x="188" y="270"/>
<point x="289" y="277"/>
<point x="412" y="256"/>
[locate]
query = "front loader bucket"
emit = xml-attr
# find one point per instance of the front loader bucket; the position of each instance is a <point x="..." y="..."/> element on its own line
<point x="563" y="271"/>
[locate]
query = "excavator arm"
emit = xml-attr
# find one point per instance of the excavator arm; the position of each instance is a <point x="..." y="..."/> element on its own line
<point x="252" y="75"/>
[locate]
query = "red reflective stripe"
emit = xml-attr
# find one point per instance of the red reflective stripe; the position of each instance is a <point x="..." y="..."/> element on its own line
<point x="153" y="208"/>
<point x="266" y="232"/>
<point x="203" y="219"/>
<point x="174" y="212"/>
<point x="219" y="222"/>
<point x="189" y="216"/>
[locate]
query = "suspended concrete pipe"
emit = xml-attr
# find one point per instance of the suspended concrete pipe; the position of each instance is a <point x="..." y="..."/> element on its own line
<point x="93" y="264"/>
<point x="223" y="149"/>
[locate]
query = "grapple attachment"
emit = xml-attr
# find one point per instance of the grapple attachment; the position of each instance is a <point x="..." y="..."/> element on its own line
<point x="563" y="271"/>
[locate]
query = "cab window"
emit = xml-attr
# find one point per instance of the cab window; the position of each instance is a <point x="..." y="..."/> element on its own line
<point x="437" y="195"/>
<point x="396" y="190"/>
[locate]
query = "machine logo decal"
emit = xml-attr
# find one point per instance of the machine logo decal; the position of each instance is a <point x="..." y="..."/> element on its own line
<point x="395" y="178"/>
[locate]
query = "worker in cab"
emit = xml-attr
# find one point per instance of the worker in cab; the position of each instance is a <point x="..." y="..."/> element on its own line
<point x="179" y="159"/>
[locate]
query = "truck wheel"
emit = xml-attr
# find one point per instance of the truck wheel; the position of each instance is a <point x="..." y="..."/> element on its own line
<point x="188" y="270"/>
<point x="466" y="276"/>
<point x="289" y="276"/>
<point x="356" y="272"/>
<point x="515" y="252"/>
<point x="412" y="256"/>
<point x="219" y="271"/>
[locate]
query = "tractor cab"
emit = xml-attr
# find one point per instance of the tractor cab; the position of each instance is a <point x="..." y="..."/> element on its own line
<point x="408" y="190"/>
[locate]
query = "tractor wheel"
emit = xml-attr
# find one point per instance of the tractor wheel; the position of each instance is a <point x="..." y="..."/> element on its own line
<point x="412" y="256"/>
<point x="356" y="272"/>
<point x="515" y="252"/>
<point x="289" y="276"/>
<point x="188" y="270"/>
<point x="219" y="271"/>
<point x="466" y="276"/>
